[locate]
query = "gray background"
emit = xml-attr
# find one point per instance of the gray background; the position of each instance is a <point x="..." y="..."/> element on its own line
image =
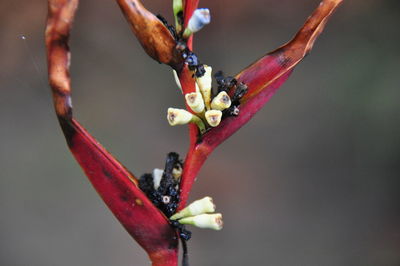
<point x="312" y="180"/>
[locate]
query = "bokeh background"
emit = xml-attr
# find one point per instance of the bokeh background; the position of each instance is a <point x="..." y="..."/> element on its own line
<point x="312" y="180"/>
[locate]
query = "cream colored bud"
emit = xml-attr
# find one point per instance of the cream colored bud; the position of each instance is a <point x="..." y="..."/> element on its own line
<point x="209" y="221"/>
<point x="204" y="205"/>
<point x="205" y="83"/>
<point x="157" y="175"/>
<point x="195" y="101"/>
<point x="178" y="82"/>
<point x="177" y="173"/>
<point x="221" y="101"/>
<point x="180" y="117"/>
<point x="213" y="117"/>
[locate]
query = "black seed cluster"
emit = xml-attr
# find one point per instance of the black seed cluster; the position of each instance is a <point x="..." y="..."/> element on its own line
<point x="183" y="233"/>
<point x="224" y="83"/>
<point x="193" y="63"/>
<point x="190" y="58"/>
<point x="228" y="84"/>
<point x="166" y="197"/>
<point x="168" y="189"/>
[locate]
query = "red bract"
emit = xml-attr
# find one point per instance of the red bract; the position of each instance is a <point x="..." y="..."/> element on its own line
<point x="262" y="78"/>
<point x="115" y="184"/>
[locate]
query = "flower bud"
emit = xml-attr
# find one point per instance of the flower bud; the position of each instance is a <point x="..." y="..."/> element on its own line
<point x="204" y="84"/>
<point x="178" y="116"/>
<point x="209" y="221"/>
<point x="221" y="101"/>
<point x="197" y="207"/>
<point x="181" y="117"/>
<point x="199" y="19"/>
<point x="195" y="101"/>
<point x="157" y="175"/>
<point x="213" y="117"/>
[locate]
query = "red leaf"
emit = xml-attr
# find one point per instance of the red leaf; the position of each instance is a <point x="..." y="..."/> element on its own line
<point x="119" y="190"/>
<point x="263" y="78"/>
<point x="116" y="185"/>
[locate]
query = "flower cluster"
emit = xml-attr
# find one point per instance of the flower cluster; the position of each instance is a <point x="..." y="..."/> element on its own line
<point x="207" y="110"/>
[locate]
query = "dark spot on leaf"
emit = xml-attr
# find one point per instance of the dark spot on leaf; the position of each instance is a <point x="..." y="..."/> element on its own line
<point x="124" y="198"/>
<point x="107" y="174"/>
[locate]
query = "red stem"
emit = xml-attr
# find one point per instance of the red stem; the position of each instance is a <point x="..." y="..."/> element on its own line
<point x="195" y="157"/>
<point x="190" y="7"/>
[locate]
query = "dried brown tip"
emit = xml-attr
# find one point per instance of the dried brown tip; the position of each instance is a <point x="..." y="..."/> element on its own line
<point x="59" y="21"/>
<point x="154" y="37"/>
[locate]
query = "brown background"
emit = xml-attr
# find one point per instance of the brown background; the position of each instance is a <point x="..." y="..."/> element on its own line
<point x="312" y="180"/>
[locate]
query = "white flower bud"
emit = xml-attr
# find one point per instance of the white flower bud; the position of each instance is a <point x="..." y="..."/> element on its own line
<point x="205" y="83"/>
<point x="199" y="19"/>
<point x="221" y="101"/>
<point x="195" y="101"/>
<point x="157" y="175"/>
<point x="210" y="221"/>
<point x="178" y="116"/>
<point x="213" y="117"/>
<point x="204" y="205"/>
<point x="181" y="117"/>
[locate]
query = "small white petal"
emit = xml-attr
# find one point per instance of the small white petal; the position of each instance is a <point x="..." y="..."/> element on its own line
<point x="157" y="175"/>
<point x="177" y="80"/>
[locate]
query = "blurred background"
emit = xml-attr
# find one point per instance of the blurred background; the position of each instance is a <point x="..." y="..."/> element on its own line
<point x="312" y="180"/>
